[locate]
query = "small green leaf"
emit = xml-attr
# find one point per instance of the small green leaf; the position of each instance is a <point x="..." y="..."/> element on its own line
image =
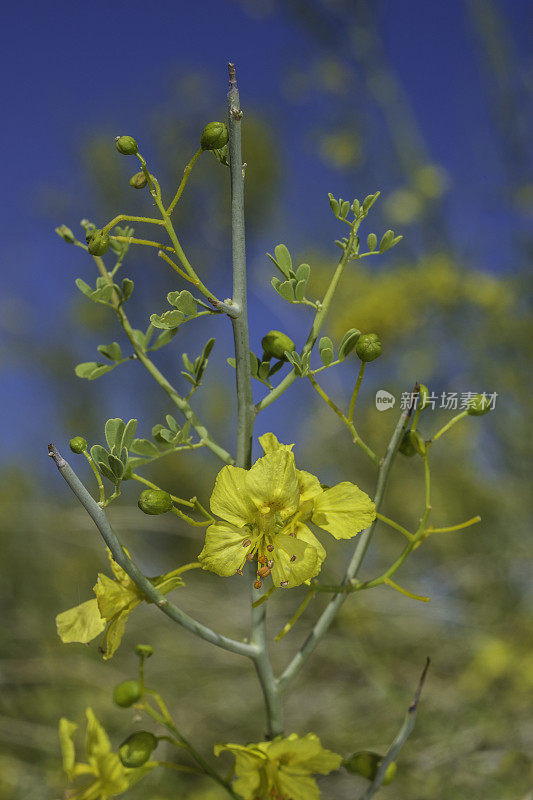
<point x="187" y="363"/>
<point x="303" y="272"/>
<point x="127" y="288"/>
<point x="129" y="433"/>
<point x="184" y="302"/>
<point x="334" y="204"/>
<point x="144" y="447"/>
<point x="369" y="201"/>
<point x="299" y="291"/>
<point x="172" y="424"/>
<point x="276" y="366"/>
<point x="114" y="432"/>
<point x="386" y="241"/>
<point x="348" y="342"/>
<point x="325" y="349"/>
<point x="168" y="320"/>
<point x="107" y="472"/>
<point x="283" y="257"/>
<point x="189" y="377"/>
<point x="345" y="207"/>
<point x="111" y="351"/>
<point x="232" y="362"/>
<point x="372" y="242"/>
<point x="87" y="290"/>
<point x="396" y="240"/>
<point x="276" y="283"/>
<point x="92" y="369"/>
<point x="116" y="466"/>
<point x="163" y="339"/>
<point x="286" y="290"/>
<point x="254" y="365"/>
<point x="356" y="207"/>
<point x="99" y="453"/>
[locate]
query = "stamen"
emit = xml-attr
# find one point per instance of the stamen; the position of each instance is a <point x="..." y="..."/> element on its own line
<point x="293" y="558"/>
<point x="257" y="585"/>
<point x="263" y="572"/>
<point x="270" y="547"/>
<point x="262" y="559"/>
<point x="284" y="583"/>
<point x="239" y="572"/>
<point x="247" y="542"/>
<point x="293" y="535"/>
<point x="249" y="556"/>
<point x="265" y="510"/>
<point x="270" y="564"/>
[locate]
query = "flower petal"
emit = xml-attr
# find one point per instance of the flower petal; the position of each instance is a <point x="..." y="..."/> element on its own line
<point x="114" y="633"/>
<point x="309" y="485"/>
<point x="96" y="739"/>
<point x="306" y="752"/>
<point x="272" y="482"/>
<point x="302" y="532"/>
<point x="67" y="730"/>
<point x="112" y="774"/>
<point x="305" y="566"/>
<point x="248" y="765"/>
<point x="269" y="443"/>
<point x="230" y="499"/>
<point x="343" y="510"/>
<point x="81" y="623"/>
<point x="113" y="597"/>
<point x="296" y="784"/>
<point x="223" y="550"/>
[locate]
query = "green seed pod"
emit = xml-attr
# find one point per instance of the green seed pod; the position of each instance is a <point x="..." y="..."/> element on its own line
<point x="368" y="347"/>
<point x="78" y="444"/>
<point x="98" y="243"/>
<point x="478" y="405"/>
<point x="127" y="693"/>
<point x="275" y="343"/>
<point x="66" y="234"/>
<point x="407" y="447"/>
<point x="139" y="180"/>
<point x="214" y="136"/>
<point x="126" y="145"/>
<point x="144" y="650"/>
<point x="155" y="501"/>
<point x="137" y="748"/>
<point x="366" y="763"/>
<point x="424" y="397"/>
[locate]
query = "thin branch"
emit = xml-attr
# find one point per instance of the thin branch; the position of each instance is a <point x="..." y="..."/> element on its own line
<point x="128" y="565"/>
<point x="331" y="610"/>
<point x="400" y="739"/>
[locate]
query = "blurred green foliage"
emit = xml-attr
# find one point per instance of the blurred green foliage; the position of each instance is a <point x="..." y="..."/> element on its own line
<point x="442" y="320"/>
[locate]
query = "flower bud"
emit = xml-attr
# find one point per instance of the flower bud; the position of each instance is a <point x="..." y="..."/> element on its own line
<point x="127" y="693"/>
<point x="139" y="180"/>
<point x="366" y="763"/>
<point x="137" y="748"/>
<point x="214" y="136"/>
<point x="478" y="405"/>
<point x="275" y="343"/>
<point x="66" y="234"/>
<point x="368" y="347"/>
<point x="144" y="650"/>
<point x="407" y="447"/>
<point x="98" y="243"/>
<point x="78" y="444"/>
<point x="423" y="396"/>
<point x="126" y="145"/>
<point x="155" y="501"/>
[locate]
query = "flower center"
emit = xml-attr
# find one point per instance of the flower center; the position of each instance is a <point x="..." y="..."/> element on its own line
<point x="260" y="545"/>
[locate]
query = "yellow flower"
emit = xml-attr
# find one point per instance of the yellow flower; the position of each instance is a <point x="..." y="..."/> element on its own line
<point x="115" y="600"/>
<point x="263" y="513"/>
<point x="281" y="769"/>
<point x="108" y="777"/>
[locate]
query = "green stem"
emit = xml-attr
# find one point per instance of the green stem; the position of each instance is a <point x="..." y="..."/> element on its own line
<point x="356" y="391"/>
<point x="449" y="425"/>
<point x="97" y="476"/>
<point x="167" y="387"/>
<point x="245" y="406"/>
<point x="331" y="610"/>
<point x="129" y="218"/>
<point x="128" y="565"/>
<point x="318" y="322"/>
<point x="395" y="525"/>
<point x="349" y="424"/>
<point x="166" y="720"/>
<point x="181" y="187"/>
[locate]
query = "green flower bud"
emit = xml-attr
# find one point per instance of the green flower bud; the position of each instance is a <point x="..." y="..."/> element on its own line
<point x="368" y="347"/>
<point x="144" y="650"/>
<point x="139" y="180"/>
<point x="275" y="343"/>
<point x="66" y="234"/>
<point x="137" y="748"/>
<point x="366" y="763"/>
<point x="155" y="501"/>
<point x="98" y="243"/>
<point x="214" y="136"/>
<point x="126" y="145"/>
<point x="78" y="444"/>
<point x="424" y="397"/>
<point x="127" y="693"/>
<point x="478" y="405"/>
<point x="407" y="447"/>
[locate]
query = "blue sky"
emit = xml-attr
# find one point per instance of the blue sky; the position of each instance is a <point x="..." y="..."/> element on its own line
<point x="65" y="65"/>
